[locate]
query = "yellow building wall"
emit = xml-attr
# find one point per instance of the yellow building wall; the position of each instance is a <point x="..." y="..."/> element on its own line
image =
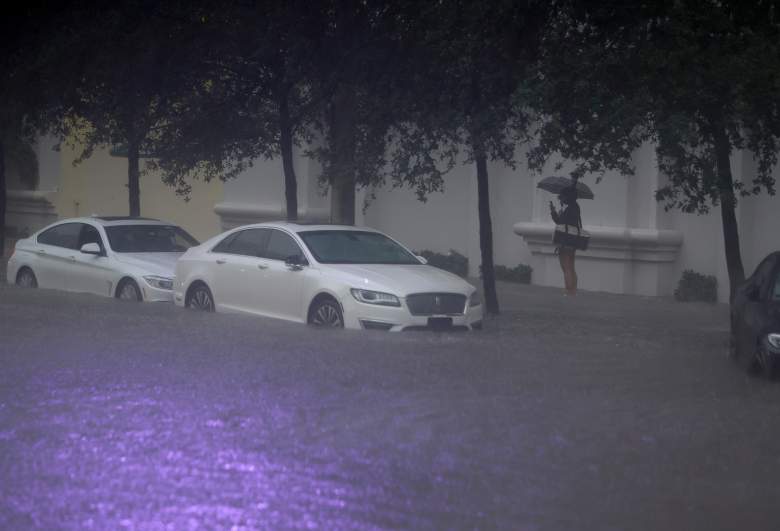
<point x="99" y="186"/>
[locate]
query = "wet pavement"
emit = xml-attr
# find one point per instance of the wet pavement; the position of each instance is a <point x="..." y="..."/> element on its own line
<point x="602" y="412"/>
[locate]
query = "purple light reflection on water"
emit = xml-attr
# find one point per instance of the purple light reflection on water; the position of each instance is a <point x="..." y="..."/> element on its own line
<point x="138" y="457"/>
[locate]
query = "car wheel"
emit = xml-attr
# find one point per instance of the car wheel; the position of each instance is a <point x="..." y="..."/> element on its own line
<point x="326" y="313"/>
<point x="26" y="278"/>
<point x="128" y="290"/>
<point x="200" y="298"/>
<point x="765" y="362"/>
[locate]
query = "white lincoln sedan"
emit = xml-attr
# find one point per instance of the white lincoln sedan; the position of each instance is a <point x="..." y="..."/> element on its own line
<point x="324" y="275"/>
<point x="123" y="257"/>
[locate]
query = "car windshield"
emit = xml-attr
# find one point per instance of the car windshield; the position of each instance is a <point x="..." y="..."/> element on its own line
<point x="355" y="247"/>
<point x="149" y="239"/>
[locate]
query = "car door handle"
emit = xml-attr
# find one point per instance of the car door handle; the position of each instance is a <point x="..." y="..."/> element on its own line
<point x="41" y="251"/>
<point x="262" y="266"/>
<point x="72" y="258"/>
<point x="220" y="261"/>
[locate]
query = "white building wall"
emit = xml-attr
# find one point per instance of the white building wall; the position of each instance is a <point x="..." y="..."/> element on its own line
<point x="637" y="247"/>
<point x="450" y="219"/>
<point x="258" y="193"/>
<point x="442" y="223"/>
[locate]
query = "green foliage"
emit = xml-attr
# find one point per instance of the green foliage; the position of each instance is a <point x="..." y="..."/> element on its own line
<point x="520" y="274"/>
<point x="454" y="262"/>
<point x="694" y="286"/>
<point x="697" y="80"/>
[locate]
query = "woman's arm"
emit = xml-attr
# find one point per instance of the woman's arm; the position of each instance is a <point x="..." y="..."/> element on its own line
<point x="553" y="214"/>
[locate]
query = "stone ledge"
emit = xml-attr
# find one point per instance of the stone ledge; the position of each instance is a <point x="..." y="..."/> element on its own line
<point x="608" y="243"/>
<point x="235" y="214"/>
<point x="29" y="210"/>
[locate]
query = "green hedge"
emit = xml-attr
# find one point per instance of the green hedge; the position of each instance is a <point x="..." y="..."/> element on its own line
<point x="454" y="262"/>
<point x="520" y="274"/>
<point x="694" y="286"/>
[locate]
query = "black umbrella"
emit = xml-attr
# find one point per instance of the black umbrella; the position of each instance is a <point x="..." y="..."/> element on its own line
<point x="555" y="184"/>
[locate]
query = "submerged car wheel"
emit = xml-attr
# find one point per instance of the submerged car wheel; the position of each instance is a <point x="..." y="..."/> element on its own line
<point x="200" y="298"/>
<point x="326" y="313"/>
<point x="128" y="290"/>
<point x="26" y="278"/>
<point x="765" y="362"/>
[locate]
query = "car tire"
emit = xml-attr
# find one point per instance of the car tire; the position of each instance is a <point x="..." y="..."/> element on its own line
<point x="765" y="363"/>
<point x="25" y="278"/>
<point x="128" y="290"/>
<point x="326" y="313"/>
<point x="199" y="298"/>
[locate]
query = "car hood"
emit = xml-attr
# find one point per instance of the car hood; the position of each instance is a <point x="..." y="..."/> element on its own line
<point x="400" y="280"/>
<point x="162" y="264"/>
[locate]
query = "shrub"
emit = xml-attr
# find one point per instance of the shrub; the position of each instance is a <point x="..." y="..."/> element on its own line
<point x="694" y="286"/>
<point x="454" y="262"/>
<point x="521" y="273"/>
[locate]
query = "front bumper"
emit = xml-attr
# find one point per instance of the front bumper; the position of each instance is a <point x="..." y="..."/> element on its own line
<point x="152" y="294"/>
<point x="398" y="318"/>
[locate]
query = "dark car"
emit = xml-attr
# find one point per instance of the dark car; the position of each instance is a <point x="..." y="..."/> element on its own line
<point x="755" y="319"/>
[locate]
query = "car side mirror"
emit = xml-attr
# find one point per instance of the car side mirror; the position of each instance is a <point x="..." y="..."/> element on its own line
<point x="295" y="262"/>
<point x="421" y="259"/>
<point x="91" y="248"/>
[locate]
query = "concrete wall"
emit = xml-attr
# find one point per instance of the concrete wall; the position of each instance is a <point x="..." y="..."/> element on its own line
<point x="99" y="186"/>
<point x="258" y="193"/>
<point x="449" y="220"/>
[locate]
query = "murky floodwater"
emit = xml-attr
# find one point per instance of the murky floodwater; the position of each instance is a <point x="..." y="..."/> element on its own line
<point x="605" y="413"/>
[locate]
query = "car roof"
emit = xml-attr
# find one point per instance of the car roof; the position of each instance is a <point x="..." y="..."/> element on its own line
<point x="306" y="227"/>
<point x="110" y="221"/>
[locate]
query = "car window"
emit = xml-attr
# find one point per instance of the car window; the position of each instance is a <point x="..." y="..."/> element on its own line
<point x="90" y="234"/>
<point x="355" y="247"/>
<point x="224" y="245"/>
<point x="65" y="235"/>
<point x="149" y="239"/>
<point x="281" y="246"/>
<point x="776" y="290"/>
<point x="248" y="242"/>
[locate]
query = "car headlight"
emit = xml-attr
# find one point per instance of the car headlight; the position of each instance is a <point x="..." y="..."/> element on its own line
<point x="774" y="340"/>
<point x="475" y="299"/>
<point x="375" y="297"/>
<point x="159" y="282"/>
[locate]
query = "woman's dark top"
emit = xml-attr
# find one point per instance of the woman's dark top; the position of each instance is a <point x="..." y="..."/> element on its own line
<point x="568" y="216"/>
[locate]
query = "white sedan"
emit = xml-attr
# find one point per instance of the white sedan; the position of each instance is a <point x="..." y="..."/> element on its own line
<point x="324" y="275"/>
<point x="123" y="257"/>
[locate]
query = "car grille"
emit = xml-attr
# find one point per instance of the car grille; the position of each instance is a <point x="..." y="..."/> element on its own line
<point x="436" y="304"/>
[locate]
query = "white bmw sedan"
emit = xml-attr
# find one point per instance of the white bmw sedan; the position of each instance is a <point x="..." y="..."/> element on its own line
<point x="324" y="275"/>
<point x="123" y="257"/>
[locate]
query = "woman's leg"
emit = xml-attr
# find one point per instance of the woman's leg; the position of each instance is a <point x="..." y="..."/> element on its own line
<point x="566" y="257"/>
<point x="564" y="267"/>
<point x="573" y="273"/>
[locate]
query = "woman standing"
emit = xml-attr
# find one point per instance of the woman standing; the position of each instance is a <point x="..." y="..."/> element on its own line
<point x="568" y="215"/>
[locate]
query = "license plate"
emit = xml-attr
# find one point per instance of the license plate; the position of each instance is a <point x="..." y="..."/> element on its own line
<point x="440" y="323"/>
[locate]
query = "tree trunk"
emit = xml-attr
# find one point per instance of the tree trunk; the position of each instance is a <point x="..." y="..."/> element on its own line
<point x="486" y="235"/>
<point x="342" y="147"/>
<point x="286" y="144"/>
<point x="728" y="213"/>
<point x="133" y="178"/>
<point x="3" y="199"/>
